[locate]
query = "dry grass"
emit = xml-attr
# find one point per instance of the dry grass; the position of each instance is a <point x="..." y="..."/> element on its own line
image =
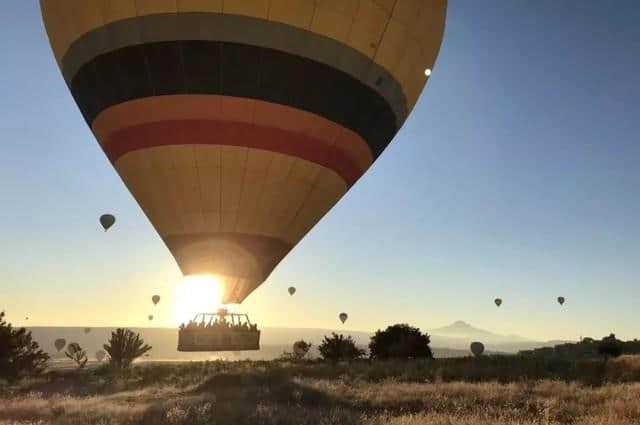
<point x="286" y="394"/>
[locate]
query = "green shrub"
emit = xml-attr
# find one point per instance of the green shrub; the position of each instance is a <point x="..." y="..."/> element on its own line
<point x="610" y="347"/>
<point x="77" y="354"/>
<point x="20" y="355"/>
<point x="337" y="347"/>
<point x="124" y="347"/>
<point x="400" y="341"/>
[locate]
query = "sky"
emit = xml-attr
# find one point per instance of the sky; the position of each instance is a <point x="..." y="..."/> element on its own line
<point x="516" y="176"/>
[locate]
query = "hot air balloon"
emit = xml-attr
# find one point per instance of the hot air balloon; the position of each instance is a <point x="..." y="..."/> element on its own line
<point x="237" y="130"/>
<point x="561" y="300"/>
<point x="100" y="354"/>
<point x="150" y="317"/>
<point x="155" y="299"/>
<point x="87" y="330"/>
<point x="498" y="302"/>
<point x="107" y="221"/>
<point x="343" y="317"/>
<point x="291" y="290"/>
<point x="301" y="348"/>
<point x="60" y="343"/>
<point x="477" y="348"/>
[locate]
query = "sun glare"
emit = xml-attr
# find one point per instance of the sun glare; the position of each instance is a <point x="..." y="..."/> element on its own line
<point x="196" y="294"/>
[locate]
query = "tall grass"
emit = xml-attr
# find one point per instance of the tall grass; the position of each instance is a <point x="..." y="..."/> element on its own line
<point x="448" y="391"/>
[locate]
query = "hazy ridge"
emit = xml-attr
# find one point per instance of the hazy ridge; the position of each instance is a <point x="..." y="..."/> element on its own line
<point x="449" y="341"/>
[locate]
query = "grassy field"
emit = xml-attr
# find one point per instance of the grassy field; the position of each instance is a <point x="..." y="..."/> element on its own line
<point x="492" y="390"/>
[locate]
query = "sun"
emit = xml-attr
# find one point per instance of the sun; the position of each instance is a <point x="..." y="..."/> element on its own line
<point x="196" y="294"/>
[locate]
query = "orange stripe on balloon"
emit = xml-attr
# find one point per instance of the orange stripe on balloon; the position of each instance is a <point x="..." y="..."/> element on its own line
<point x="310" y="127"/>
<point x="231" y="133"/>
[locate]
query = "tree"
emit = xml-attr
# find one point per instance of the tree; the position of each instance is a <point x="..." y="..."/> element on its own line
<point x="19" y="355"/>
<point x="610" y="347"/>
<point x="337" y="347"/>
<point x="301" y="348"/>
<point x="400" y="341"/>
<point x="124" y="347"/>
<point x="77" y="354"/>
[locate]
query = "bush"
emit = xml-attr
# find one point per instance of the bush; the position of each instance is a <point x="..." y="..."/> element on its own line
<point x="124" y="347"/>
<point x="337" y="347"/>
<point x="610" y="347"/>
<point x="301" y="348"/>
<point x="77" y="354"/>
<point x="400" y="342"/>
<point x="19" y="355"/>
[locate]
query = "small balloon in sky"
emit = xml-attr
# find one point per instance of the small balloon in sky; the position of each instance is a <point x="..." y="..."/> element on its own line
<point x="343" y="317"/>
<point x="560" y="300"/>
<point x="155" y="299"/>
<point x="291" y="290"/>
<point x="477" y="348"/>
<point x="150" y="317"/>
<point x="60" y="343"/>
<point x="498" y="302"/>
<point x="107" y="221"/>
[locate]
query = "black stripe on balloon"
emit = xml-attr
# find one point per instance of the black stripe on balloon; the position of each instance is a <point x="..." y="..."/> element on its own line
<point x="207" y="26"/>
<point x="231" y="69"/>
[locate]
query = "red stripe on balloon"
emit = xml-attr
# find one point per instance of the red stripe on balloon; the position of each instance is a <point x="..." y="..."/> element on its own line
<point x="231" y="133"/>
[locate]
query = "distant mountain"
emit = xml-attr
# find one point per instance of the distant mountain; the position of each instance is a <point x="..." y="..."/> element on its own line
<point x="459" y="335"/>
<point x="462" y="329"/>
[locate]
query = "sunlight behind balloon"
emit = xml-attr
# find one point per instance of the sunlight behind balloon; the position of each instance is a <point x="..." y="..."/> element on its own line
<point x="196" y="294"/>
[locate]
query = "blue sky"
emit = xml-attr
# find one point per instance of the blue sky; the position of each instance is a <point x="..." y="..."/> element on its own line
<point x="516" y="176"/>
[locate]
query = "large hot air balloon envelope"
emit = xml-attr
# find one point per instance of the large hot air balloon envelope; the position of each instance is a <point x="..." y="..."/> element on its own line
<point x="237" y="125"/>
<point x="498" y="302"/>
<point x="560" y="300"/>
<point x="292" y="290"/>
<point x="155" y="299"/>
<point x="60" y="343"/>
<point x="343" y="317"/>
<point x="477" y="348"/>
<point x="107" y="220"/>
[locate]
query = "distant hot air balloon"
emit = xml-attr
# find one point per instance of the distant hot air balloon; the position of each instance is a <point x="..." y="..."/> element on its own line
<point x="233" y="171"/>
<point x="107" y="221"/>
<point x="100" y="354"/>
<point x="561" y="300"/>
<point x="301" y="348"/>
<point x="343" y="317"/>
<point x="292" y="290"/>
<point x="87" y="330"/>
<point x="60" y="343"/>
<point x="155" y="299"/>
<point x="477" y="348"/>
<point x="498" y="302"/>
<point x="150" y="317"/>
